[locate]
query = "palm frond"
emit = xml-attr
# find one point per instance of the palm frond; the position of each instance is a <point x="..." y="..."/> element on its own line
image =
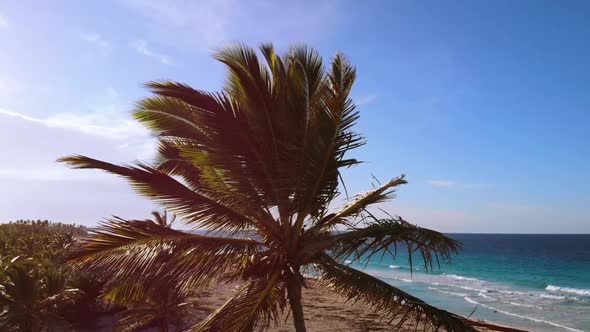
<point x="359" y="203"/>
<point x="327" y="136"/>
<point x="386" y="236"/>
<point x="135" y="320"/>
<point x="277" y="69"/>
<point x="209" y="138"/>
<point x="255" y="305"/>
<point x="156" y="288"/>
<point x="156" y="300"/>
<point x="212" y="133"/>
<point x="397" y="305"/>
<point x="222" y="181"/>
<point x="249" y="85"/>
<point x="138" y="250"/>
<point x="195" y="207"/>
<point x="126" y="292"/>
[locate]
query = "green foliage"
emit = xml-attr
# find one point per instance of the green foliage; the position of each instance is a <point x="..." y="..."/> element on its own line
<point x="39" y="242"/>
<point x="35" y="290"/>
<point x="39" y="293"/>
<point x="261" y="157"/>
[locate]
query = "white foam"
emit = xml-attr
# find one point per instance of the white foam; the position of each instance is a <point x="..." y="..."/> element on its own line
<point x="454" y="276"/>
<point x="470" y="288"/>
<point x="525" y="305"/>
<point x="403" y="279"/>
<point x="511" y="292"/>
<point x="486" y="297"/>
<point x="552" y="288"/>
<point x="488" y="290"/>
<point x="446" y="292"/>
<point x="554" y="297"/>
<point x="521" y="316"/>
<point x="394" y="266"/>
<point x="347" y="262"/>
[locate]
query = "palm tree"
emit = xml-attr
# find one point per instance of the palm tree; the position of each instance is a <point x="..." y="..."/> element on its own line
<point x="259" y="162"/>
<point x="155" y="302"/>
<point x="162" y="219"/>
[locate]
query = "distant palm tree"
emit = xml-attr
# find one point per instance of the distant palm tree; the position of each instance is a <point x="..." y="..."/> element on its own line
<point x="156" y="302"/>
<point x="153" y="300"/>
<point x="262" y="158"/>
<point x="162" y="219"/>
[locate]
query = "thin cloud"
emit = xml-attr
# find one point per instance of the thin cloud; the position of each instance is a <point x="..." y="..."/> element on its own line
<point x="366" y="99"/>
<point x="107" y="124"/>
<point x="50" y="173"/>
<point x="220" y="21"/>
<point x="96" y="40"/>
<point x="3" y="22"/>
<point x="113" y="94"/>
<point x="141" y="47"/>
<point x="107" y="134"/>
<point x="10" y="89"/>
<point x="441" y="183"/>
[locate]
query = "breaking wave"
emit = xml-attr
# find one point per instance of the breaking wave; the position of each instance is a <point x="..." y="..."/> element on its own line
<point x="521" y="316"/>
<point x="552" y="288"/>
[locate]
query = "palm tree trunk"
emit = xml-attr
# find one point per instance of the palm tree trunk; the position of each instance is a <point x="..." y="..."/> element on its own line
<point x="294" y="294"/>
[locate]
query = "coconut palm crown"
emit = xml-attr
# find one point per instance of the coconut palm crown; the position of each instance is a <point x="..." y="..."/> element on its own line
<point x="259" y="164"/>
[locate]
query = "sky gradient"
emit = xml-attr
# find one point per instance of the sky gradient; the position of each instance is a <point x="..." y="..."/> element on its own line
<point x="483" y="105"/>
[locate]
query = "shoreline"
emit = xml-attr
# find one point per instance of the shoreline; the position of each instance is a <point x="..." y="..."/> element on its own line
<point x="326" y="311"/>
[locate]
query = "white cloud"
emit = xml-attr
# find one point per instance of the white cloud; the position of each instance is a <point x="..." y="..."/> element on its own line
<point x="441" y="183"/>
<point x="96" y="40"/>
<point x="35" y="186"/>
<point x="366" y="99"/>
<point x="106" y="135"/>
<point x="106" y="124"/>
<point x="141" y="149"/>
<point x="141" y="47"/>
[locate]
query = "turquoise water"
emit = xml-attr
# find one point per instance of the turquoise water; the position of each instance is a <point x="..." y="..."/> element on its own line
<point x="536" y="282"/>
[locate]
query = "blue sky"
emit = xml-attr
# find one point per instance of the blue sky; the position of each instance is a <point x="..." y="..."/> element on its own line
<point x="484" y="105"/>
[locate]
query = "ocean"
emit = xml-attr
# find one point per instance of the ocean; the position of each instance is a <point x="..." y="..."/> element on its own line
<point x="535" y="282"/>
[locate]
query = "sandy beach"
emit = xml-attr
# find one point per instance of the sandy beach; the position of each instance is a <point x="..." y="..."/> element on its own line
<point x="324" y="311"/>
